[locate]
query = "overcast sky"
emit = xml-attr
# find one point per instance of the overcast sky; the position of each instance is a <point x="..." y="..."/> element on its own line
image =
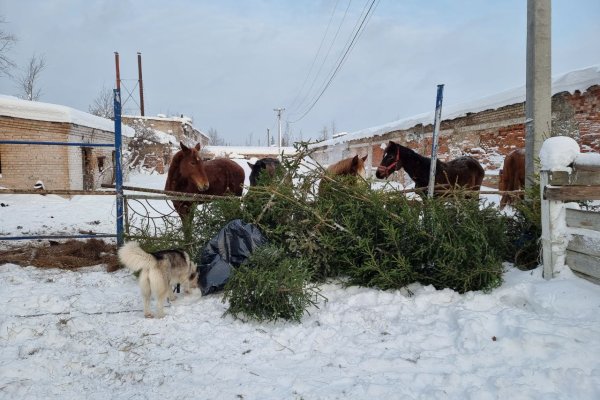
<point x="228" y="63"/>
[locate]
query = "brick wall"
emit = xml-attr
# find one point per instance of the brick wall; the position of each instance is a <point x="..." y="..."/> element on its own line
<point x="487" y="135"/>
<point x="59" y="167"/>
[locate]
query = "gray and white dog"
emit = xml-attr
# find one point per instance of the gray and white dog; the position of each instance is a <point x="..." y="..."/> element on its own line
<point x="159" y="272"/>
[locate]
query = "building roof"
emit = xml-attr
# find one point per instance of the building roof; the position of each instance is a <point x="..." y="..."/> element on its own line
<point x="572" y="81"/>
<point x="161" y="117"/>
<point x="235" y="151"/>
<point x="18" y="108"/>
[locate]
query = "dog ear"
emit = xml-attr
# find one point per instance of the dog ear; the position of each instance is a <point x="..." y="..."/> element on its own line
<point x="193" y="276"/>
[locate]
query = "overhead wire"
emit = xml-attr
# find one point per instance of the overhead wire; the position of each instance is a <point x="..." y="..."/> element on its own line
<point x="291" y="109"/>
<point x="291" y="106"/>
<point x="344" y="56"/>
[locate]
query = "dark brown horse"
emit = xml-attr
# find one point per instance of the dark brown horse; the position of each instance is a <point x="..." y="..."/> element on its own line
<point x="512" y="176"/>
<point x="352" y="166"/>
<point x="465" y="171"/>
<point x="189" y="174"/>
<point x="268" y="165"/>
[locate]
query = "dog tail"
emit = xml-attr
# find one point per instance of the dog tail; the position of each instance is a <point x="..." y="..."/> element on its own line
<point x="135" y="258"/>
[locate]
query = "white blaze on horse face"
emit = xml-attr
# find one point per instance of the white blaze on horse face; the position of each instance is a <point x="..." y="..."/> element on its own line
<point x="199" y="177"/>
<point x="361" y="172"/>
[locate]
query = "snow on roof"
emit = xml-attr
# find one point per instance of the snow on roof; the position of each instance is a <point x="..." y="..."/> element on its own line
<point x="18" y="108"/>
<point x="162" y="117"/>
<point x="228" y="151"/>
<point x="165" y="138"/>
<point x="570" y="82"/>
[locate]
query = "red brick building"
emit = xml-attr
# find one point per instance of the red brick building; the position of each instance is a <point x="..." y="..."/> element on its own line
<point x="486" y="129"/>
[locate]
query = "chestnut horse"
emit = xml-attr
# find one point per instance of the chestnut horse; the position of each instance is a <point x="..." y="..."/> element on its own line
<point x="352" y="166"/>
<point x="512" y="176"/>
<point x="189" y="174"/>
<point x="269" y="165"/>
<point x="464" y="171"/>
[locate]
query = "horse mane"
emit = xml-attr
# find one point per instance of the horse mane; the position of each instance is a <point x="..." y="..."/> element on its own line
<point x="341" y="167"/>
<point x="173" y="173"/>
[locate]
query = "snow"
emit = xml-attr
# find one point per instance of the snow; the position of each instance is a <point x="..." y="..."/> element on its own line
<point x="558" y="152"/>
<point x="164" y="137"/>
<point x="17" y="108"/>
<point x="578" y="80"/>
<point x="587" y="160"/>
<point x="76" y="334"/>
<point x="241" y="151"/>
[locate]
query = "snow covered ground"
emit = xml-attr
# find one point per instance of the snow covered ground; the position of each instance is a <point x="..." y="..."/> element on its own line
<point x="81" y="334"/>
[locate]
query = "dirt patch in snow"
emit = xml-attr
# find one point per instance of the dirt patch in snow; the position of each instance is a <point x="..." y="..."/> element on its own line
<point x="71" y="254"/>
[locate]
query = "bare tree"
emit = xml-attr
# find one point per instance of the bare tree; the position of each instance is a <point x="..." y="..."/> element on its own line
<point x="28" y="81"/>
<point x="324" y="133"/>
<point x="103" y="104"/>
<point x="214" y="137"/>
<point x="7" y="40"/>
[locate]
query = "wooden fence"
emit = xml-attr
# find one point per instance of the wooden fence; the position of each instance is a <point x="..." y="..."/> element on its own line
<point x="571" y="235"/>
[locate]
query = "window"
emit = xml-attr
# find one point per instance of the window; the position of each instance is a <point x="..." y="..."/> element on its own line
<point x="101" y="165"/>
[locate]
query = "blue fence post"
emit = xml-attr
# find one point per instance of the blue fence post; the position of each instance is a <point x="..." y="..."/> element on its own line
<point x="118" y="168"/>
<point x="434" y="140"/>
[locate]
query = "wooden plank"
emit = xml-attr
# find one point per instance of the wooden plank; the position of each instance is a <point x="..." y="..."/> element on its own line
<point x="576" y="178"/>
<point x="582" y="263"/>
<point x="588" y="278"/>
<point x="572" y="193"/>
<point x="585" y="244"/>
<point x="583" y="219"/>
<point x="586" y="167"/>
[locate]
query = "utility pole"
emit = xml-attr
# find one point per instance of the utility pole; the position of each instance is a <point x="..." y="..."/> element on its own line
<point x="278" y="111"/>
<point x="140" y="83"/>
<point x="538" y="98"/>
<point x="268" y="138"/>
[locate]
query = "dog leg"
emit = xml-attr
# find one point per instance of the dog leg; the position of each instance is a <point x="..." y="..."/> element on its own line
<point x="146" y="293"/>
<point x="160" y="306"/>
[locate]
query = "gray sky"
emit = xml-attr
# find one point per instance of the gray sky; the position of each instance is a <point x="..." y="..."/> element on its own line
<point x="228" y="63"/>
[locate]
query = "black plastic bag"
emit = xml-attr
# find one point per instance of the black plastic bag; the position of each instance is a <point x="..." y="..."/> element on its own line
<point x="228" y="249"/>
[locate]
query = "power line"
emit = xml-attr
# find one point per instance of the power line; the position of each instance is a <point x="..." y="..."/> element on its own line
<point x="342" y="59"/>
<point x="301" y="104"/>
<point x="316" y="54"/>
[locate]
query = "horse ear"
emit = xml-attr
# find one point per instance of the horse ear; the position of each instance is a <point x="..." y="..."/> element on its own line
<point x="197" y="147"/>
<point x="355" y="161"/>
<point x="392" y="142"/>
<point x="183" y="146"/>
<point x="250" y="164"/>
<point x="365" y="157"/>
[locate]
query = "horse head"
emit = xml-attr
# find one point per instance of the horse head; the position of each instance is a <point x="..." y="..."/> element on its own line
<point x="269" y="165"/>
<point x="390" y="162"/>
<point x="357" y="167"/>
<point x="191" y="167"/>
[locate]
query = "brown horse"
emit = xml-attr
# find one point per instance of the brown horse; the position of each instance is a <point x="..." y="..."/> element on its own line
<point x="189" y="174"/>
<point x="352" y="166"/>
<point x="512" y="176"/>
<point x="464" y="171"/>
